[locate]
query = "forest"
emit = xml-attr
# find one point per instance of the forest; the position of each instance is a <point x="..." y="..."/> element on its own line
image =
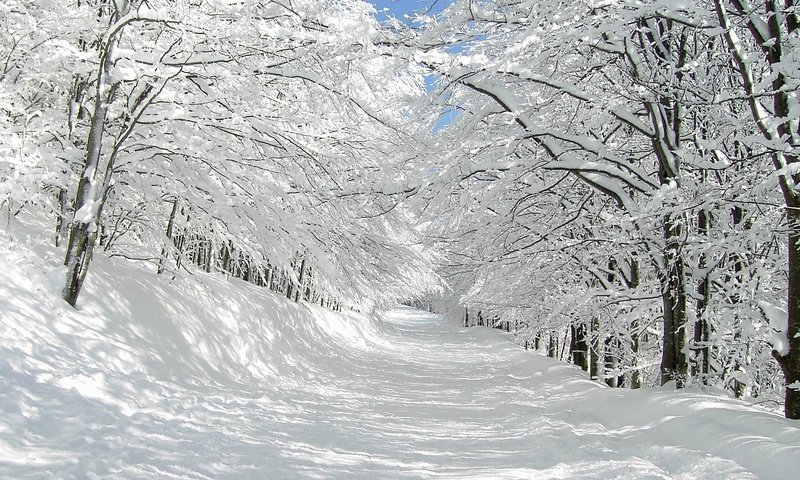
<point x="615" y="182"/>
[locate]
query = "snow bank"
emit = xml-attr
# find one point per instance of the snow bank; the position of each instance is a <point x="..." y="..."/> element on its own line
<point x="186" y="329"/>
<point x="76" y="383"/>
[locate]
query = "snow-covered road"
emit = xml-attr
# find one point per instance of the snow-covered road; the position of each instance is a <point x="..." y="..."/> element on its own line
<point x="442" y="402"/>
<point x="177" y="385"/>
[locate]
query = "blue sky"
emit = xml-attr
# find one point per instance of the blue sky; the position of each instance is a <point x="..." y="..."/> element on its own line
<point x="399" y="8"/>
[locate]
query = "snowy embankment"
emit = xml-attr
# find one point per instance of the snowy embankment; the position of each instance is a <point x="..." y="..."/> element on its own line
<point x="199" y="377"/>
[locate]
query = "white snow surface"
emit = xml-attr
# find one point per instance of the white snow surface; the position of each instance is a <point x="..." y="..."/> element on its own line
<point x="198" y="377"/>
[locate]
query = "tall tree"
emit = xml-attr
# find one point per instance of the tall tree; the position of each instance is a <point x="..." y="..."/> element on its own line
<point x="766" y="84"/>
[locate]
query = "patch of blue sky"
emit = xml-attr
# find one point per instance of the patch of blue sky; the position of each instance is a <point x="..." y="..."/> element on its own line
<point x="404" y="10"/>
<point x="448" y="113"/>
<point x="447" y="117"/>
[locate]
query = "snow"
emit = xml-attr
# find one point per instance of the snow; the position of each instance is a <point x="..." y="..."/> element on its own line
<point x="199" y="377"/>
<point x="778" y="319"/>
<point x="86" y="213"/>
<point x="363" y="30"/>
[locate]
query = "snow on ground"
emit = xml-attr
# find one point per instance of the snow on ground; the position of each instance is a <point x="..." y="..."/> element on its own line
<point x="198" y="377"/>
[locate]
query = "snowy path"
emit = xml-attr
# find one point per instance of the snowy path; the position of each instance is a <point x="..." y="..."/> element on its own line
<point x="446" y="403"/>
<point x="414" y="398"/>
<point x="428" y="400"/>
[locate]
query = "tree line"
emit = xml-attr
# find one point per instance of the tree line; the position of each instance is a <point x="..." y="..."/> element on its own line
<point x="613" y="181"/>
<point x="238" y="137"/>
<point x="619" y="182"/>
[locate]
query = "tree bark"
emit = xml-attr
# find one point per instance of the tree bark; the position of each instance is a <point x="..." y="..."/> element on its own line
<point x="790" y="362"/>
<point x="579" y="345"/>
<point x="552" y="345"/>
<point x="94" y="184"/>
<point x="674" y="365"/>
<point x="702" y="329"/>
<point x="63" y="212"/>
<point x="595" y="362"/>
<point x="170" y="227"/>
<point x="302" y="278"/>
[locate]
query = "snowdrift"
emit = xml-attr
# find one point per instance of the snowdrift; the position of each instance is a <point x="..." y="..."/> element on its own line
<point x="193" y="329"/>
<point x="136" y="340"/>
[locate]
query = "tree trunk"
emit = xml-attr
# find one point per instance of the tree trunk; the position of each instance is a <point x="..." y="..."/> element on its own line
<point x="579" y="346"/>
<point x="94" y="183"/>
<point x="702" y="329"/>
<point x="162" y="261"/>
<point x="790" y="362"/>
<point x="301" y="280"/>
<point x="63" y="212"/>
<point x="594" y="350"/>
<point x="636" y="374"/>
<point x="673" y="298"/>
<point x="611" y="362"/>
<point x="552" y="345"/>
<point x="289" y="285"/>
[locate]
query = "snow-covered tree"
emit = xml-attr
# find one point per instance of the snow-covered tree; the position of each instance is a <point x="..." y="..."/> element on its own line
<point x="620" y="97"/>
<point x="216" y="129"/>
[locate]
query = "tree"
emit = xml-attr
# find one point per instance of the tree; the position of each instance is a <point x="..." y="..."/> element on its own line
<point x="616" y="97"/>
<point x="766" y="84"/>
<point x="211" y="129"/>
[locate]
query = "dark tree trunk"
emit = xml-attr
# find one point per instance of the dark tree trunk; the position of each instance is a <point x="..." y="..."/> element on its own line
<point x="790" y="362"/>
<point x="61" y="219"/>
<point x="636" y="374"/>
<point x="552" y="345"/>
<point x="702" y="329"/>
<point x="579" y="346"/>
<point x="301" y="280"/>
<point x="289" y="288"/>
<point x="594" y="349"/>
<point x="673" y="297"/>
<point x="79" y="255"/>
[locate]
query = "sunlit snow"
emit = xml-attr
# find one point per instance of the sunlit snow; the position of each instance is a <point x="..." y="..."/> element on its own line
<point x="200" y="377"/>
